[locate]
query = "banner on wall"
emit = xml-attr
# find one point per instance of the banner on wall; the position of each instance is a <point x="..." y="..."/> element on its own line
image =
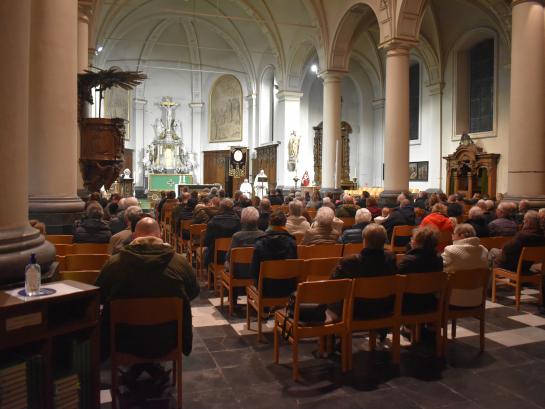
<point x="238" y="161"/>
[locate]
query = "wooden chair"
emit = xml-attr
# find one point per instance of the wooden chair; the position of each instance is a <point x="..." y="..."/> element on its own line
<point x="312" y="212"/>
<point x="59" y="238"/>
<point x="319" y="292"/>
<point x="376" y="288"/>
<point x="466" y="280"/>
<point x="299" y="237"/>
<point x="90" y="248"/>
<point x="181" y="244"/>
<point x="64" y="249"/>
<point x="166" y="216"/>
<point x="352" y="248"/>
<point x="319" y="250"/>
<point x="272" y="270"/>
<point x="196" y="245"/>
<point x="83" y="276"/>
<point x="239" y="255"/>
<point x="426" y="283"/>
<point x="515" y="279"/>
<point x="348" y="222"/>
<point x="399" y="231"/>
<point x="317" y="269"/>
<point x="216" y="267"/>
<point x="494" y="242"/>
<point x="75" y="262"/>
<point x="146" y="311"/>
<point x="445" y="239"/>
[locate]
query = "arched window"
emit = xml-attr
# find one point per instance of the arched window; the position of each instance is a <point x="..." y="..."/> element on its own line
<point x="481" y="86"/>
<point x="414" y="101"/>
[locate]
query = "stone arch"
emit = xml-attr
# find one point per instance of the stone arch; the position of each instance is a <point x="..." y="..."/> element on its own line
<point x="304" y="51"/>
<point x="409" y="19"/>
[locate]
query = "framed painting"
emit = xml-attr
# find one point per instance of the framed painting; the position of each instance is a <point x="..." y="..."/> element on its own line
<point x="413" y="171"/>
<point x="423" y="171"/>
<point x="225" y="110"/>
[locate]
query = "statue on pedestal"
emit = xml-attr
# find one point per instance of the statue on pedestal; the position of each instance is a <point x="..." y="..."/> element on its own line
<point x="293" y="151"/>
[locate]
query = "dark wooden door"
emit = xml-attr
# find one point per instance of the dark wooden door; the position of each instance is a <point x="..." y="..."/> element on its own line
<point x="266" y="160"/>
<point x="216" y="170"/>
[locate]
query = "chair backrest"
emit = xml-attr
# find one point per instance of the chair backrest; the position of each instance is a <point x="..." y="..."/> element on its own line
<point x="324" y="292"/>
<point x="186" y="224"/>
<point x="221" y="245"/>
<point x="316" y="269"/>
<point x="352" y="248"/>
<point x="494" y="242"/>
<point x="64" y="249"/>
<point x="240" y="255"/>
<point x="196" y="231"/>
<point x="74" y="262"/>
<point x="280" y="270"/>
<point x="376" y="288"/>
<point x="469" y="280"/>
<point x="319" y="250"/>
<point x="400" y="231"/>
<point x="83" y="276"/>
<point x="90" y="248"/>
<point x="348" y="222"/>
<point x="312" y="213"/>
<point x="425" y="283"/>
<point x="146" y="311"/>
<point x="59" y="238"/>
<point x="532" y="254"/>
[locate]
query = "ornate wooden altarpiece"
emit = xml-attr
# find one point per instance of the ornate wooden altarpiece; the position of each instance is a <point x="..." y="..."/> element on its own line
<point x="346" y="130"/>
<point x="470" y="170"/>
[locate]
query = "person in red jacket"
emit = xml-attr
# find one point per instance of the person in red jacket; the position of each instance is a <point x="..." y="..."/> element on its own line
<point x="438" y="218"/>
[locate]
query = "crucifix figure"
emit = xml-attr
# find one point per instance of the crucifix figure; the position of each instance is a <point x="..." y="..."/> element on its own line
<point x="169" y="125"/>
<point x="170" y="183"/>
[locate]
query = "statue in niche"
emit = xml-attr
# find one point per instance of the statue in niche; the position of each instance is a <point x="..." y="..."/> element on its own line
<point x="293" y="151"/>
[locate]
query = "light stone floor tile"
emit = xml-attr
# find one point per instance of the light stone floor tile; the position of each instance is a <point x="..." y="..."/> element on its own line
<point x="519" y="336"/>
<point x="241" y="329"/>
<point x="207" y="316"/>
<point x="529" y="319"/>
<point x="105" y="396"/>
<point x="461" y="332"/>
<point x="490" y="304"/>
<point x="523" y="297"/>
<point x="216" y="302"/>
<point x="530" y="291"/>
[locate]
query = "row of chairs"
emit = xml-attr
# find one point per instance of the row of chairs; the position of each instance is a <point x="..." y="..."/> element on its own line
<point x="347" y="291"/>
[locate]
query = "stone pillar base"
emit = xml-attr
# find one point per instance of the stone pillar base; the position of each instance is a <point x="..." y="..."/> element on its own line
<point x="16" y="246"/>
<point x="536" y="202"/>
<point x="57" y="213"/>
<point x="388" y="198"/>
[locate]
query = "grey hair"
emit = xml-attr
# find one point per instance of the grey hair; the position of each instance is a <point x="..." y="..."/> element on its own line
<point x="475" y="213"/>
<point x="465" y="230"/>
<point x="374" y="236"/>
<point x="506" y="208"/>
<point x="296" y="208"/>
<point x="531" y="219"/>
<point x="249" y="216"/>
<point x="130" y="201"/>
<point x="325" y="216"/>
<point x="489" y="204"/>
<point x="226" y="204"/>
<point x="94" y="211"/>
<point x="363" y="216"/>
<point x="348" y="199"/>
<point x="482" y="204"/>
<point x="133" y="214"/>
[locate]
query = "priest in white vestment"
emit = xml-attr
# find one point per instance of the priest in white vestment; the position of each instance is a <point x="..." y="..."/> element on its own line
<point x="246" y="189"/>
<point x="261" y="189"/>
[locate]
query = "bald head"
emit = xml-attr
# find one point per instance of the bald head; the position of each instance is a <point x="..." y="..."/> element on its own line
<point x="147" y="227"/>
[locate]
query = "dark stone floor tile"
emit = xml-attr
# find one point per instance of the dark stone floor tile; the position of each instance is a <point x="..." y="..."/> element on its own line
<point x="225" y="343"/>
<point x="269" y="395"/>
<point x="242" y="356"/>
<point x="206" y="380"/>
<point x="198" y="362"/>
<point x="385" y="399"/>
<point x="535" y="349"/>
<point x="501" y="359"/>
<point x="431" y="394"/>
<point x="223" y="398"/>
<point x="503" y="322"/>
<point x="342" y="402"/>
<point x="215" y="331"/>
<point x="474" y="341"/>
<point x="243" y="376"/>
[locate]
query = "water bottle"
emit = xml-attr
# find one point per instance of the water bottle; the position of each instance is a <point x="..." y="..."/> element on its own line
<point x="33" y="277"/>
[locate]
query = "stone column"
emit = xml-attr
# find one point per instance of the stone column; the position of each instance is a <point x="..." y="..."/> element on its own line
<point x="331" y="139"/>
<point x="436" y="169"/>
<point x="195" y="147"/>
<point x="53" y="115"/>
<point x="83" y="64"/>
<point x="286" y="121"/>
<point x="378" y="142"/>
<point x="139" y="140"/>
<point x="253" y="131"/>
<point x="396" y="124"/>
<point x="526" y="162"/>
<point x="18" y="240"/>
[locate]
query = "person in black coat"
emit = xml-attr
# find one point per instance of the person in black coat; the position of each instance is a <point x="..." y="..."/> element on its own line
<point x="421" y="200"/>
<point x="407" y="210"/>
<point x="92" y="229"/>
<point x="396" y="218"/>
<point x="421" y="258"/>
<point x="264" y="214"/>
<point x="224" y="224"/>
<point x="531" y="235"/>
<point x="372" y="261"/>
<point x="354" y="233"/>
<point x="477" y="220"/>
<point x="276" y="244"/>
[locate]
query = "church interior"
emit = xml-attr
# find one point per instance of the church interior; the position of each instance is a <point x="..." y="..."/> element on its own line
<point x="344" y="145"/>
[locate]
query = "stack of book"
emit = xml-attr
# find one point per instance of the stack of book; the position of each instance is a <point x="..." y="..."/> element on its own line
<point x="13" y="386"/>
<point x="66" y="394"/>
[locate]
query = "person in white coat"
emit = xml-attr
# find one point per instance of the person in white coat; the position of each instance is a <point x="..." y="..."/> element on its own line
<point x="465" y="253"/>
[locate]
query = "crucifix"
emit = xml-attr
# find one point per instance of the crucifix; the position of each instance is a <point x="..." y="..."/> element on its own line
<point x="170" y="183"/>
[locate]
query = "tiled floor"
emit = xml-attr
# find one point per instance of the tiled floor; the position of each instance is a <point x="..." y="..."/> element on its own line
<point x="228" y="368"/>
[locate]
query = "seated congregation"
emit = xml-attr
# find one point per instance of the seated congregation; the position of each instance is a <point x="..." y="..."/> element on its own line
<point x="319" y="268"/>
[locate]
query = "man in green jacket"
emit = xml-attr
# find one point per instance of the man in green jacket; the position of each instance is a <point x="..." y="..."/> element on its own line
<point x="146" y="268"/>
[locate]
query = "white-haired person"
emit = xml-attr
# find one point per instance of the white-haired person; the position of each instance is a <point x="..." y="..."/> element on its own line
<point x="354" y="234"/>
<point x="246" y="237"/>
<point x="117" y="221"/>
<point x="504" y="224"/>
<point x="322" y="231"/>
<point x="475" y="217"/>
<point x="296" y="224"/>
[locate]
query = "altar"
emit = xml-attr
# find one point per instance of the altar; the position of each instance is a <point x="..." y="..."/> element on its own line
<point x="166" y="181"/>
